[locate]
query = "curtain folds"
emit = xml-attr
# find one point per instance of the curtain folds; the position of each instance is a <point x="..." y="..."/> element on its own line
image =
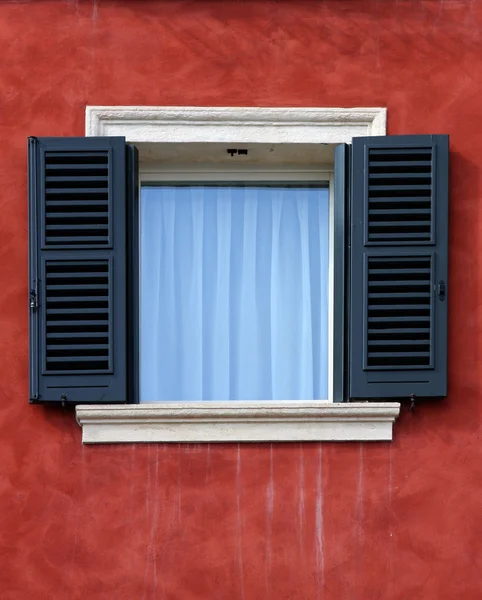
<point x="234" y="293"/>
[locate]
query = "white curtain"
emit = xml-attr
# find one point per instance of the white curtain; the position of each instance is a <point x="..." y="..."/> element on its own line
<point x="234" y="293"/>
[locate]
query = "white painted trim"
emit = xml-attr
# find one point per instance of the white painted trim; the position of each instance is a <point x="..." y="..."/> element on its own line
<point x="246" y="173"/>
<point x="190" y="124"/>
<point x="237" y="422"/>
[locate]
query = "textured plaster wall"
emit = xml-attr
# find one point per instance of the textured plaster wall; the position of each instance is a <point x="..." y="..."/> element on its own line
<point x="348" y="521"/>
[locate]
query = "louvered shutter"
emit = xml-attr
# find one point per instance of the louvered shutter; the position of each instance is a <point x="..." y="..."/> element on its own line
<point x="398" y="272"/>
<point x="77" y="269"/>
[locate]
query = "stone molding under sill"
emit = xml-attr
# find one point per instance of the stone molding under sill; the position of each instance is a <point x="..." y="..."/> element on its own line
<point x="203" y="422"/>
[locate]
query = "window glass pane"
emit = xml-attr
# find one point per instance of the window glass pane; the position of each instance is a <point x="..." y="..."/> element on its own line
<point x="234" y="292"/>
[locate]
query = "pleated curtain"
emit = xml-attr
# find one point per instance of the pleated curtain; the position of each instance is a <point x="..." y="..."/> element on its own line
<point x="234" y="293"/>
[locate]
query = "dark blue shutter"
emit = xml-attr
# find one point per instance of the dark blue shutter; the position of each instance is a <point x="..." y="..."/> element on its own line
<point x="398" y="271"/>
<point x="77" y="269"/>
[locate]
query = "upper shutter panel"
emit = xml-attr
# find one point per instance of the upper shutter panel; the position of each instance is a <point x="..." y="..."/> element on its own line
<point x="77" y="269"/>
<point x="398" y="270"/>
<point x="399" y="195"/>
<point x="77" y="199"/>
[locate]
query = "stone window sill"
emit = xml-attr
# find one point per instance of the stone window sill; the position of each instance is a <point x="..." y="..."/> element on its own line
<point x="198" y="422"/>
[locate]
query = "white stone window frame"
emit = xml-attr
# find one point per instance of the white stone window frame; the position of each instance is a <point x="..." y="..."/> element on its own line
<point x="268" y="421"/>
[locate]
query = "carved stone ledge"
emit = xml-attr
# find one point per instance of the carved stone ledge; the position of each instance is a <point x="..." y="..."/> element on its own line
<point x="288" y="421"/>
<point x="192" y="124"/>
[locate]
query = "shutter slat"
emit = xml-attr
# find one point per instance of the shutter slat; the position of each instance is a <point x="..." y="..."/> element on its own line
<point x="83" y="323"/>
<point x="92" y="239"/>
<point x="405" y="307"/>
<point x="399" y="342"/>
<point x="75" y="227"/>
<point x="57" y="299"/>
<point x="395" y="224"/>
<point x="402" y="295"/>
<point x="397" y="176"/>
<point x="398" y="354"/>
<point x="73" y="166"/>
<point x="74" y="179"/>
<point x="76" y="334"/>
<point x="76" y="311"/>
<point x="396" y="283"/>
<point x="76" y="215"/>
<point x="402" y="237"/>
<point x="393" y="212"/>
<point x="398" y="319"/>
<point x="386" y="153"/>
<point x="394" y="200"/>
<point x="401" y="163"/>
<point x="76" y="275"/>
<point x="76" y="359"/>
<point x="401" y="271"/>
<point x="82" y="286"/>
<point x="66" y="155"/>
<point x="399" y="188"/>
<point x="77" y="347"/>
<point x="80" y="191"/>
<point x="68" y="203"/>
<point x="64" y="367"/>
<point x="406" y="330"/>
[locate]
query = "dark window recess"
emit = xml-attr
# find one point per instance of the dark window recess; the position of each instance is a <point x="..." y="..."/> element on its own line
<point x="77" y="316"/>
<point x="77" y="198"/>
<point x="400" y="195"/>
<point x="399" y="311"/>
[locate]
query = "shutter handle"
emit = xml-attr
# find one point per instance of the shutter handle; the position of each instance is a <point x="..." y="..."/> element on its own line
<point x="33" y="300"/>
<point x="33" y="297"/>
<point x="441" y="290"/>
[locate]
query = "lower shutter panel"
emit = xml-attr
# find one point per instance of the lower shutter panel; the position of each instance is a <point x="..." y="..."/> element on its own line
<point x="77" y="321"/>
<point x="399" y="312"/>
<point x="398" y="273"/>
<point x="78" y="270"/>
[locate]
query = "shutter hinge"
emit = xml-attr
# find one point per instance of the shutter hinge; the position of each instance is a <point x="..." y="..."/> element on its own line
<point x="33" y="297"/>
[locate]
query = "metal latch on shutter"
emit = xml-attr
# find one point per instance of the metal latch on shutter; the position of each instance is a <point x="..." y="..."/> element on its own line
<point x="441" y="290"/>
<point x="33" y="298"/>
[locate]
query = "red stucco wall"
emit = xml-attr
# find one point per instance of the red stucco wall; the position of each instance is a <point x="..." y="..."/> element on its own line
<point x="348" y="521"/>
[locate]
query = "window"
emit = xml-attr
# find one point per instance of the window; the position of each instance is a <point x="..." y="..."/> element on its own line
<point x="388" y="321"/>
<point x="235" y="291"/>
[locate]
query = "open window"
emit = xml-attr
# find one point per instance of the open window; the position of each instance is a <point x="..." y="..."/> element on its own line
<point x="236" y="287"/>
<point x="275" y="288"/>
